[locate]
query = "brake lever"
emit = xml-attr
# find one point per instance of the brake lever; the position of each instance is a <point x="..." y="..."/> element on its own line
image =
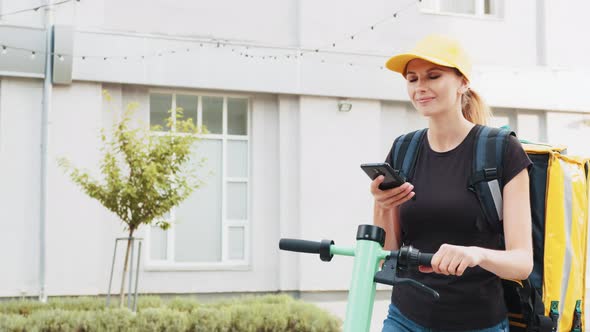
<point x="388" y="273"/>
<point x="419" y="286"/>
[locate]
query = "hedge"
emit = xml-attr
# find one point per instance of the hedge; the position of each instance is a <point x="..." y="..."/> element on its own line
<point x="271" y="313"/>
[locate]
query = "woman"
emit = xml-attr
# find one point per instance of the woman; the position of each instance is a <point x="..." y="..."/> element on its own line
<point x="468" y="263"/>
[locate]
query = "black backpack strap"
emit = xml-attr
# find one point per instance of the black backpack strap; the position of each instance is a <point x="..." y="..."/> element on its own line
<point x="486" y="176"/>
<point x="541" y="322"/>
<point x="404" y="153"/>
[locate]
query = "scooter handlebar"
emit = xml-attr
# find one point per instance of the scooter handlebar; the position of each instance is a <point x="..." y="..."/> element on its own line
<point x="425" y="259"/>
<point x="310" y="247"/>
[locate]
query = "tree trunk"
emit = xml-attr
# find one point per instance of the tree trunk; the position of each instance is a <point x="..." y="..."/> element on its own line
<point x="125" y="265"/>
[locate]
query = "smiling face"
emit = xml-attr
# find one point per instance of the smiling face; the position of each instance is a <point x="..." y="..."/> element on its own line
<point x="434" y="89"/>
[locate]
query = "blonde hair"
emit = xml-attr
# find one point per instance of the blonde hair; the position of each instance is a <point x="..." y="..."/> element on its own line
<point x="474" y="108"/>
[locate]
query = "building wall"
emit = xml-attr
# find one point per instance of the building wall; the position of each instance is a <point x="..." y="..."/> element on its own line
<point x="310" y="148"/>
<point x="20" y="105"/>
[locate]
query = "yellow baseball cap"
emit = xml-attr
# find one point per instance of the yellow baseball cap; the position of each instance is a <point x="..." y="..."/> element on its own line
<point x="437" y="49"/>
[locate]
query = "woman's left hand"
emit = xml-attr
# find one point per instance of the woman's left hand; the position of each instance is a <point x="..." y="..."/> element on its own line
<point x="453" y="260"/>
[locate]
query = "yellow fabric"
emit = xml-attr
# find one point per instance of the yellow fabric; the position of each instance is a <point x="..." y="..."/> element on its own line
<point x="565" y="236"/>
<point x="542" y="149"/>
<point x="437" y="49"/>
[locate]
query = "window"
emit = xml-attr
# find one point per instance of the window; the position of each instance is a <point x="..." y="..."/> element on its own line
<point x="479" y="8"/>
<point x="211" y="227"/>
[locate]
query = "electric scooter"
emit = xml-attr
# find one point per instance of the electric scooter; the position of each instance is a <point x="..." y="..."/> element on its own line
<point x="368" y="253"/>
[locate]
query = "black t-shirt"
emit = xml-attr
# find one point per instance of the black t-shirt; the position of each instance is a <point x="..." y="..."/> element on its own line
<point x="445" y="211"/>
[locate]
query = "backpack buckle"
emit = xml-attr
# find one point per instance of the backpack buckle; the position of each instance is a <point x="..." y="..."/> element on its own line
<point x="482" y="175"/>
<point x="554" y="314"/>
<point x="490" y="173"/>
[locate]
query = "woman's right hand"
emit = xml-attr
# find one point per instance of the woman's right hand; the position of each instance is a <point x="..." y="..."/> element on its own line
<point x="390" y="198"/>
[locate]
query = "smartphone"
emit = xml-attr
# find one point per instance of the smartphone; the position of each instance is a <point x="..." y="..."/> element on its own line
<point x="392" y="178"/>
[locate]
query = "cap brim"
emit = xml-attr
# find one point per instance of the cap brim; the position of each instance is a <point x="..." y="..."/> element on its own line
<point x="399" y="62"/>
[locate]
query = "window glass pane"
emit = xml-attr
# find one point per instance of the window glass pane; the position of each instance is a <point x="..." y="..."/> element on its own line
<point x="189" y="106"/>
<point x="198" y="219"/>
<point x="487" y="7"/>
<point x="237" y="116"/>
<point x="493" y="7"/>
<point x="237" y="158"/>
<point x="160" y="104"/>
<point x="213" y="114"/>
<point x="236" y="243"/>
<point x="458" y="6"/>
<point x="158" y="243"/>
<point x="237" y="200"/>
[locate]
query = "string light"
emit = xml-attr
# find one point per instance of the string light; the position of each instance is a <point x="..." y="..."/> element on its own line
<point x="219" y="43"/>
<point x="371" y="27"/>
<point x="61" y="57"/>
<point x="35" y="9"/>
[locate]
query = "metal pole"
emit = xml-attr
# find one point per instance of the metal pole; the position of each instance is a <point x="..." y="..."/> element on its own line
<point x="112" y="272"/>
<point x="130" y="273"/>
<point x="137" y="275"/>
<point x="46" y="110"/>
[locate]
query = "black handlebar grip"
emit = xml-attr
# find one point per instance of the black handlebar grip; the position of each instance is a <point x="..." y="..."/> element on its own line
<point x="311" y="247"/>
<point x="424" y="259"/>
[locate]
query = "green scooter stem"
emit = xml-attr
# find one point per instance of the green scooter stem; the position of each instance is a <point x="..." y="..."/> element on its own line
<point x="361" y="295"/>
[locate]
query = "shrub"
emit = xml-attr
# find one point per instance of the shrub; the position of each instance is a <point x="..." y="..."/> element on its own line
<point x="12" y="323"/>
<point x="160" y="320"/>
<point x="246" y="314"/>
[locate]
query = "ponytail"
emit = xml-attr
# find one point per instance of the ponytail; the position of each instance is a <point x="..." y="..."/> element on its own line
<point x="474" y="109"/>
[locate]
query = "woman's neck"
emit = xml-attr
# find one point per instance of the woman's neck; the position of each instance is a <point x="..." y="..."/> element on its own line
<point x="447" y="132"/>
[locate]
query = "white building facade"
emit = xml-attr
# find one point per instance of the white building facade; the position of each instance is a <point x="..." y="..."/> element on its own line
<point x="282" y="160"/>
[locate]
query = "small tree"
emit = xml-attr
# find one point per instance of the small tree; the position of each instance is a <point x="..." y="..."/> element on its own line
<point x="144" y="174"/>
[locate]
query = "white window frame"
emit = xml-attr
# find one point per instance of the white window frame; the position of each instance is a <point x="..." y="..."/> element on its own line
<point x="226" y="263"/>
<point x="479" y="10"/>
